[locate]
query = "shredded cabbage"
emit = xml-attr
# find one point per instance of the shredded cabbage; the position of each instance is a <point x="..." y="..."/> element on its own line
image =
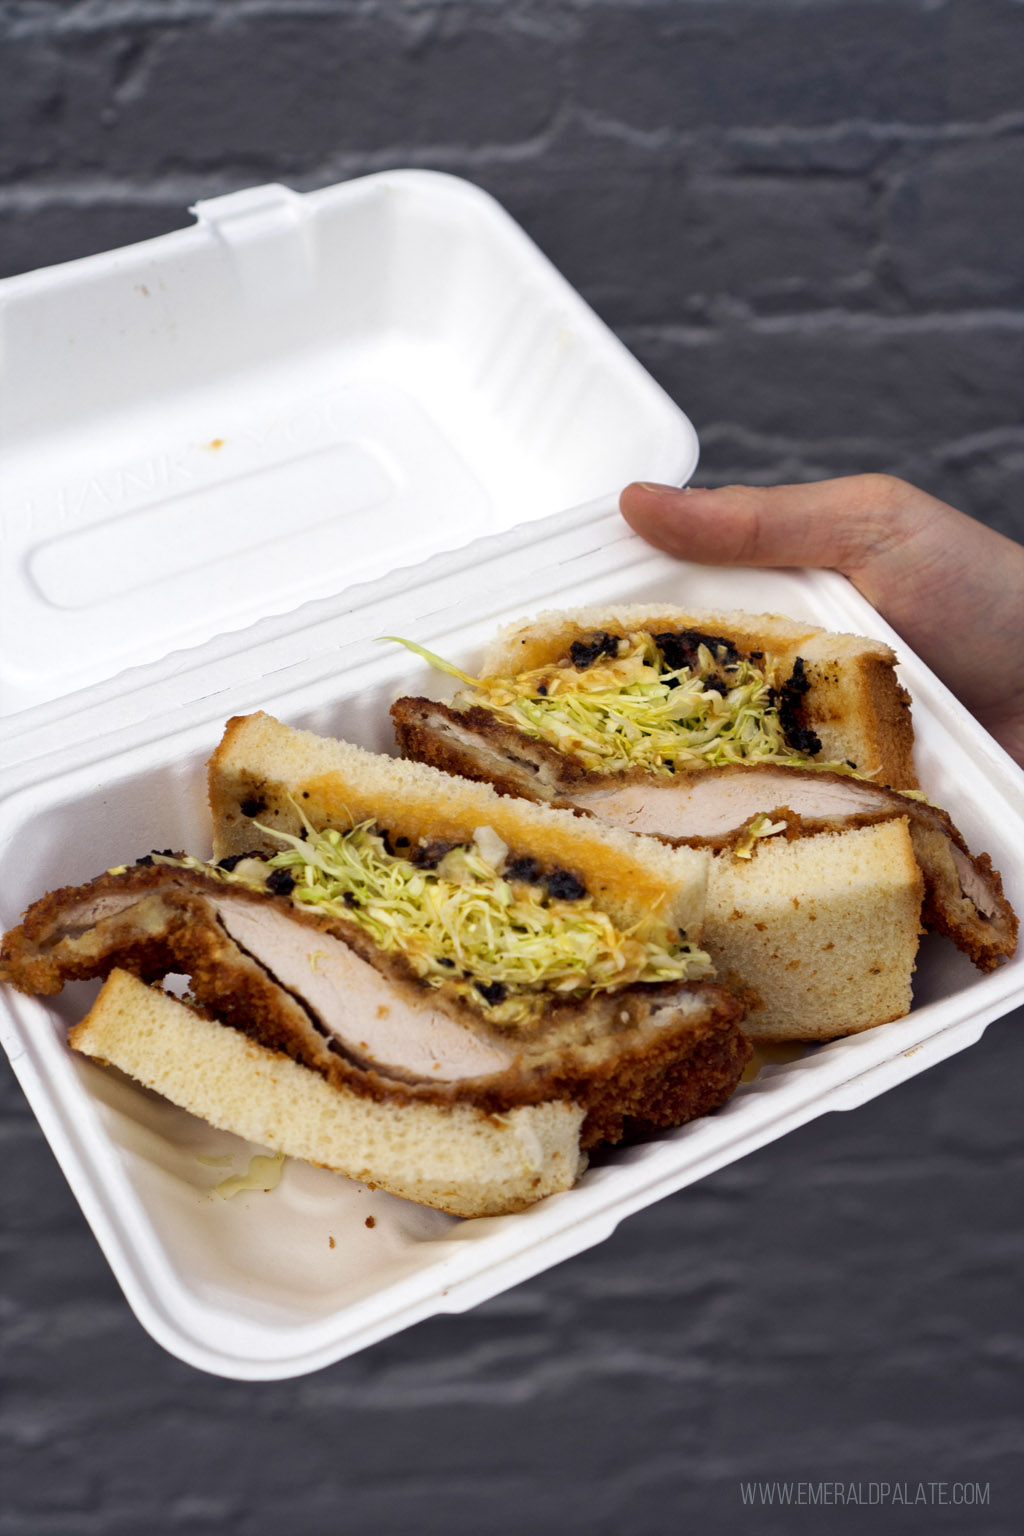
<point x="760" y="826"/>
<point x="504" y="945"/>
<point x="631" y="710"/>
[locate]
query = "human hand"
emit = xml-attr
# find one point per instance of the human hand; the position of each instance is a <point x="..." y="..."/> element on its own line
<point x="951" y="586"/>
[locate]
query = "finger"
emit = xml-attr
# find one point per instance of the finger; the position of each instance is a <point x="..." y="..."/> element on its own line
<point x="834" y="523"/>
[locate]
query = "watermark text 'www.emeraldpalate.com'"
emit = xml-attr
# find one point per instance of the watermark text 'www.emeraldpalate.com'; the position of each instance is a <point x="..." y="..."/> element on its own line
<point x="829" y="1492"/>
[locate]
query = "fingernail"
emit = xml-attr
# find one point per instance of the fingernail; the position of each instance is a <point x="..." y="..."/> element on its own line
<point x="687" y="490"/>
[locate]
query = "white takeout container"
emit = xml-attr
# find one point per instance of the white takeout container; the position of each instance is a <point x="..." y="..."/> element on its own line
<point x="234" y="424"/>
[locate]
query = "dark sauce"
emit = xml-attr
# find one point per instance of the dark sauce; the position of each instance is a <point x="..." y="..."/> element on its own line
<point x="281" y="882"/>
<point x="585" y="652"/>
<point x="564" y="886"/>
<point x="525" y="868"/>
<point x="492" y="991"/>
<point x="679" y="648"/>
<point x="791" y="712"/>
<point x="429" y="855"/>
<point x="560" y="884"/>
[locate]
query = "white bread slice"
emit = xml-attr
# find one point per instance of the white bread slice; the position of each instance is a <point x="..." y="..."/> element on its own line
<point x="822" y="931"/>
<point x="854" y="702"/>
<point x="456" y="1158"/>
<point x="262" y="763"/>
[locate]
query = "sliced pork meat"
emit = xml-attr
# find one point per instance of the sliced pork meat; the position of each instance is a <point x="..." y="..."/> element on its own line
<point x="353" y="1002"/>
<point x="317" y="988"/>
<point x="713" y="808"/>
<point x="477" y="745"/>
<point x="963" y="894"/>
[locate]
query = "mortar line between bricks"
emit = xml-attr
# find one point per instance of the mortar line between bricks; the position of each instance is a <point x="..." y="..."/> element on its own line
<point x="1008" y="438"/>
<point x="96" y="16"/>
<point x="858" y="323"/>
<point x="892" y="133"/>
<point x="87" y="11"/>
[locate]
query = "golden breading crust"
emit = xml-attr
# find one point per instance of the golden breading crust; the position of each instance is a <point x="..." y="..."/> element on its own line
<point x="638" y="1096"/>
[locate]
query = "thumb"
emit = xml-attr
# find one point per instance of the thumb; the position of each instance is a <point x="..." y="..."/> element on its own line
<point x="831" y="524"/>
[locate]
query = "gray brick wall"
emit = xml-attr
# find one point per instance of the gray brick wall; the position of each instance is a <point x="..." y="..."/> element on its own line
<point x="804" y="217"/>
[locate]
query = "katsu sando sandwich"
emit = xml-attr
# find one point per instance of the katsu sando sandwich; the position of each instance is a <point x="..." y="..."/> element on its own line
<point x="602" y="692"/>
<point x="441" y="991"/>
<point x="785" y="750"/>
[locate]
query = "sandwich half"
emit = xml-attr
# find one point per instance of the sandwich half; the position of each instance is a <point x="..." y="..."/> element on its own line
<point x="465" y="976"/>
<point x="772" y="744"/>
<point x="667" y="690"/>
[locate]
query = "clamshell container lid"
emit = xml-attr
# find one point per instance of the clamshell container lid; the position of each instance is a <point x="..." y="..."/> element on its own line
<point x="271" y="1285"/>
<point x="301" y="392"/>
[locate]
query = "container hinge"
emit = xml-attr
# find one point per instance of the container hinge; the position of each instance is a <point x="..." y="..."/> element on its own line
<point x="265" y="232"/>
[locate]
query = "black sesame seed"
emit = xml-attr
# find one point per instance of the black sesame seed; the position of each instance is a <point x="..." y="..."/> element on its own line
<point x="443" y="960"/>
<point x="281" y="882"/>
